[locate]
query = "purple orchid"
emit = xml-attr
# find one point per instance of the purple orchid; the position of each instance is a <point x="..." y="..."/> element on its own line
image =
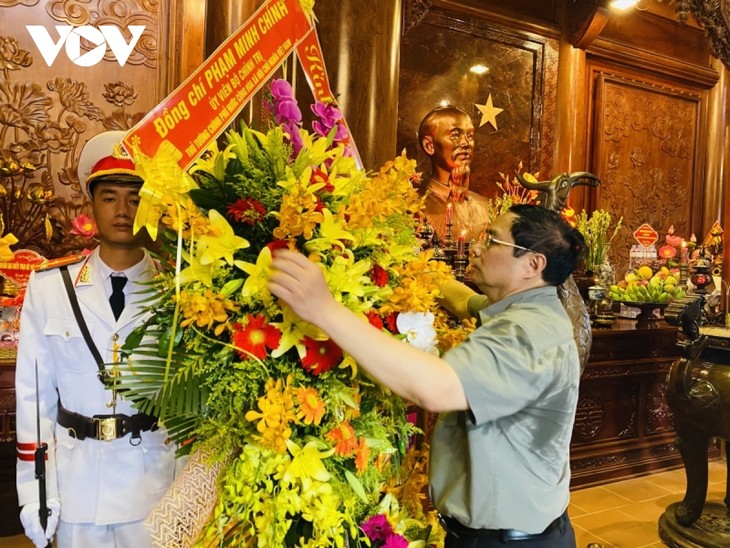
<point x="287" y="113"/>
<point x="329" y="117"/>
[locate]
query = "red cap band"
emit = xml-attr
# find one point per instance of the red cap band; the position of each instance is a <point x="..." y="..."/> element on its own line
<point x="110" y="165"/>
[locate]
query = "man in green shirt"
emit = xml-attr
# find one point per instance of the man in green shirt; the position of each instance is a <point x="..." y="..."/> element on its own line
<point x="506" y="396"/>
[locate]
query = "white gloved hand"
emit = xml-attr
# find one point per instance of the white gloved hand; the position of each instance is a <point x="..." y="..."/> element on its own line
<point x="32" y="522"/>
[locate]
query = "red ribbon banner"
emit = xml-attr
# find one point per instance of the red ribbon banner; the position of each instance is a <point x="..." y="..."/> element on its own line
<point x="309" y="52"/>
<point x="201" y="108"/>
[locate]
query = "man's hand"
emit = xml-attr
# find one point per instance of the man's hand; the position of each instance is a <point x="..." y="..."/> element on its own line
<point x="31" y="521"/>
<point x="300" y="283"/>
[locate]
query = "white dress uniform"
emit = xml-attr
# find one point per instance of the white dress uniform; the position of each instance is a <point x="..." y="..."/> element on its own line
<point x="99" y="483"/>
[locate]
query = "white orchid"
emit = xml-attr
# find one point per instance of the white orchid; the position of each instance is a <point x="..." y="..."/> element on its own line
<point x="418" y="330"/>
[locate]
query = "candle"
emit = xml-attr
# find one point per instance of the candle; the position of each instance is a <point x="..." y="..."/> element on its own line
<point x="460" y="244"/>
<point x="448" y="213"/>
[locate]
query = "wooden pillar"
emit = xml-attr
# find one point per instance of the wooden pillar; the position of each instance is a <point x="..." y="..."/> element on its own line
<point x="223" y="17"/>
<point x="361" y="48"/>
<point x="715" y="157"/>
<point x="571" y="132"/>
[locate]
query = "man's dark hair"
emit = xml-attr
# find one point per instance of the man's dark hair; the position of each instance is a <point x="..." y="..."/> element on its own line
<point x="121" y="179"/>
<point x="546" y="232"/>
<point x="428" y="124"/>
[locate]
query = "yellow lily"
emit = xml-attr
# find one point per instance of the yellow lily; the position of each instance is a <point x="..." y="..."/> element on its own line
<point x="293" y="330"/>
<point x="345" y="176"/>
<point x="222" y="243"/>
<point x="316" y="149"/>
<point x="346" y="277"/>
<point x="307" y="462"/>
<point x="258" y="274"/>
<point x="196" y="271"/>
<point x="331" y="234"/>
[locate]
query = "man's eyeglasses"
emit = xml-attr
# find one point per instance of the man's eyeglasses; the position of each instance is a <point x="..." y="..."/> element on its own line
<point x="489" y="240"/>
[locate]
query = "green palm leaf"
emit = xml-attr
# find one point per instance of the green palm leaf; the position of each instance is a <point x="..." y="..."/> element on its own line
<point x="173" y="392"/>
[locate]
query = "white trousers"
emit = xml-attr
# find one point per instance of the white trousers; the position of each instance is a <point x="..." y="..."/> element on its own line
<point x="85" y="535"/>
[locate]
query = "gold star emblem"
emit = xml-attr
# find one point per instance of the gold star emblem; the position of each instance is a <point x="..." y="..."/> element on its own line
<point x="489" y="113"/>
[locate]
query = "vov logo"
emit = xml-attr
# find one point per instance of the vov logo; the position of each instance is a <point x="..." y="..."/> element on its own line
<point x="105" y="35"/>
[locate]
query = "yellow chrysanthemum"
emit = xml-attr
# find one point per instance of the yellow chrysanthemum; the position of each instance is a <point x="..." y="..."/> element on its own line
<point x="311" y="407"/>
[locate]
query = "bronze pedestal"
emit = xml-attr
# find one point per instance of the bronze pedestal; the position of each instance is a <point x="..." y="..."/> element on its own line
<point x="698" y="393"/>
<point x="712" y="528"/>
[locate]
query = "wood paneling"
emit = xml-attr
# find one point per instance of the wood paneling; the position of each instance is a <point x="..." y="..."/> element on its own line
<point x="655" y="36"/>
<point x="649" y="155"/>
<point x="49" y="112"/>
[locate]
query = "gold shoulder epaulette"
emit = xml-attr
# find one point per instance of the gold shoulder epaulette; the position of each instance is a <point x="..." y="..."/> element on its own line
<point x="48" y="264"/>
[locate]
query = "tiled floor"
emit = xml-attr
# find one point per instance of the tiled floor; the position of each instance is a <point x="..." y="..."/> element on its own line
<point x="624" y="514"/>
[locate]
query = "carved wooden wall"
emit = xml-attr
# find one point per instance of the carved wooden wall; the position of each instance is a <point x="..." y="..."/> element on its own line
<point x="647" y="150"/>
<point x="436" y="56"/>
<point x="48" y="113"/>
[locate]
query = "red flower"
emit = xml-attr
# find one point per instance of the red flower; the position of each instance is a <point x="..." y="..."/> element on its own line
<point x="247" y="210"/>
<point x="255" y="337"/>
<point x="390" y="323"/>
<point x="379" y="275"/>
<point x="321" y="356"/>
<point x="374" y="319"/>
<point x="319" y="176"/>
<point x="83" y="225"/>
<point x="319" y="206"/>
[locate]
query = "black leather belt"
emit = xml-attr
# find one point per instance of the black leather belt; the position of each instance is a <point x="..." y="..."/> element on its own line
<point x="105" y="427"/>
<point x="458" y="530"/>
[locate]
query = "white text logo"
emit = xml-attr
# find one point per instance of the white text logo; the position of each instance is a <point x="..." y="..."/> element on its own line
<point x="71" y="36"/>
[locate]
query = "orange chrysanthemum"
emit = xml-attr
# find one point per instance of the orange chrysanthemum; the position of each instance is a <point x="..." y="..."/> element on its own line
<point x="362" y="455"/>
<point x="344" y="439"/>
<point x="311" y="407"/>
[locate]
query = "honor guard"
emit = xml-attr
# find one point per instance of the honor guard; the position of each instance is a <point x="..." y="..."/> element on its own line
<point x="106" y="465"/>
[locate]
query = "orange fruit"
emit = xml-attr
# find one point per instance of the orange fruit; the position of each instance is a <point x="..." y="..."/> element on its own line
<point x="645" y="272"/>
